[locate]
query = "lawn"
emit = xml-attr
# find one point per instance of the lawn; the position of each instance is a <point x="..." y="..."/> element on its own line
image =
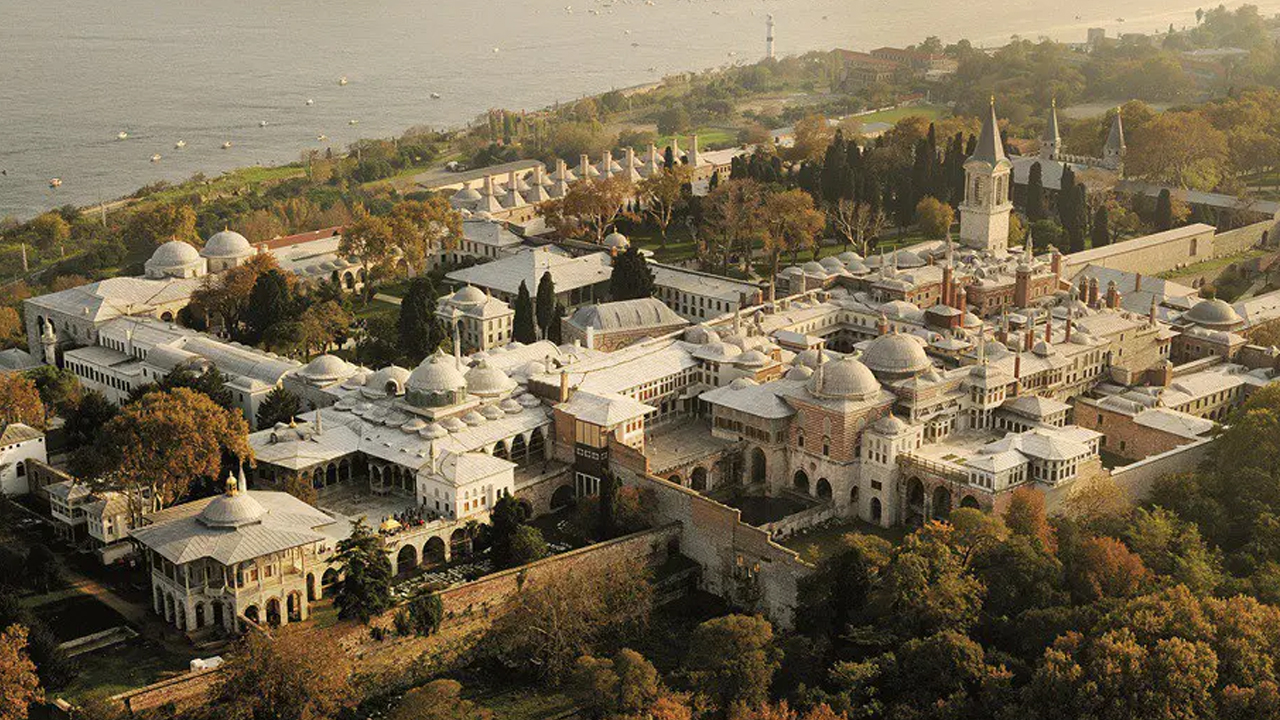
<point x="375" y="307"/>
<point x="824" y="541"/>
<point x="1214" y="264"/>
<point x="930" y="112"/>
<point x="76" y="616"/>
<point x="709" y="137"/>
<point x="124" y="667"/>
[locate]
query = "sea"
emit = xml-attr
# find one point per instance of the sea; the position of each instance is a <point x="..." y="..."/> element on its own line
<point x="266" y="76"/>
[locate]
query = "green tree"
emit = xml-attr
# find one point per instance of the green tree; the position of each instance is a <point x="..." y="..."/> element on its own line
<point x="626" y="685"/>
<point x="366" y="574"/>
<point x="631" y="278"/>
<point x="527" y="545"/>
<point x="59" y="388"/>
<point x="732" y="660"/>
<point x="271" y="302"/>
<point x="610" y="492"/>
<point x="41" y="568"/>
<point x="279" y="406"/>
<point x="523" y="328"/>
<point x="1035" y="193"/>
<point x="546" y="305"/>
<point x="87" y="417"/>
<point x="371" y="240"/>
<point x="935" y="217"/>
<point x="553" y="332"/>
<point x="507" y="517"/>
<point x="1164" y="211"/>
<point x="926" y="588"/>
<point x="417" y="322"/>
<point x="1100" y="232"/>
<point x="425" y="612"/>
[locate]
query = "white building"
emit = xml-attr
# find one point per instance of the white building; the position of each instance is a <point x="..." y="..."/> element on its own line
<point x="984" y="212"/>
<point x="18" y="444"/>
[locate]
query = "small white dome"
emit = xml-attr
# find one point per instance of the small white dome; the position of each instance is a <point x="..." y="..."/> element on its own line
<point x="799" y="372"/>
<point x="1213" y="313"/>
<point x="226" y="244"/>
<point x="890" y="425"/>
<point x="467" y="296"/>
<point x="752" y="358"/>
<point x="389" y="380"/>
<point x="486" y="381"/>
<point x="325" y="368"/>
<point x="438" y="373"/>
<point x="173" y="254"/>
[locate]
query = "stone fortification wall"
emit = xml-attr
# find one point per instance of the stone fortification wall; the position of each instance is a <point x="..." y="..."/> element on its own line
<point x="1137" y="478"/>
<point x="1173" y="249"/>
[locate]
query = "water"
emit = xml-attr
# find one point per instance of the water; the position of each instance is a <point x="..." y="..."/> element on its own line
<point x="74" y="73"/>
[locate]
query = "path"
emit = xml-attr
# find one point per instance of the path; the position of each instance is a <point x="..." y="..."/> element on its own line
<point x="138" y="616"/>
<point x="387" y="298"/>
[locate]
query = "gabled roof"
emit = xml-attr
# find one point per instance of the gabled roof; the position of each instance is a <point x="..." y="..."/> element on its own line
<point x="18" y="432"/>
<point x="605" y="409"/>
<point x="506" y="274"/>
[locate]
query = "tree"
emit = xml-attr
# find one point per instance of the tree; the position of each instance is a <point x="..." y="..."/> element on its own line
<point x="87" y="417"/>
<point x="732" y="219"/>
<point x="631" y="278"/>
<point x="425" y="227"/>
<point x="590" y="208"/>
<point x="151" y="227"/>
<point x="425" y="612"/>
<point x="292" y="676"/>
<point x="563" y="616"/>
<point x="366" y="574"/>
<point x="1026" y="516"/>
<point x="663" y="194"/>
<point x="438" y="700"/>
<point x="1100" y="233"/>
<point x="674" y="120"/>
<point x="41" y="568"/>
<point x="812" y="135"/>
<point x="321" y="325"/>
<point x="732" y="660"/>
<point x="1181" y="148"/>
<point x="419" y="336"/>
<point x="793" y="224"/>
<point x="371" y="240"/>
<point x="522" y="326"/>
<point x="553" y="332"/>
<point x="20" y="401"/>
<point x="50" y="230"/>
<point x="279" y="406"/>
<point x="626" y="685"/>
<point x="527" y="545"/>
<point x="270" y="302"/>
<point x="209" y="381"/>
<point x="546" y="304"/>
<point x="925" y="587"/>
<point x="1035" y="193"/>
<point x="1104" y="568"/>
<point x="59" y="388"/>
<point x="19" y="684"/>
<point x="164" y="442"/>
<point x="1164" y="211"/>
<point x="507" y="517"/>
<point x="227" y="295"/>
<point x="935" y="217"/>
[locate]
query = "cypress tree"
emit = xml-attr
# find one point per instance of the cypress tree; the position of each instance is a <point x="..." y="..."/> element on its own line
<point x="417" y="315"/>
<point x="668" y="158"/>
<point x="1164" y="211"/>
<point x="1099" y="234"/>
<point x="546" y="303"/>
<point x="366" y="571"/>
<point x="553" y="332"/>
<point x="631" y="278"/>
<point x="1035" y="193"/>
<point x="522" y="329"/>
<point x="270" y="302"/>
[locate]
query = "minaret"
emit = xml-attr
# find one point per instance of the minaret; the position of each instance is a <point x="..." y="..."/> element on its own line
<point x="1113" y="151"/>
<point x="984" y="213"/>
<point x="1051" y="141"/>
<point x="768" y="37"/>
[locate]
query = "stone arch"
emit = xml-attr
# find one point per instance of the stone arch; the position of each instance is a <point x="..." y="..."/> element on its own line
<point x="537" y="445"/>
<point x="293" y="605"/>
<point x="698" y="480"/>
<point x="181" y="616"/>
<point x="824" y="489"/>
<point x="219" y="619"/>
<point x="169" y="611"/>
<point x="199" y="615"/>
<point x="328" y="579"/>
<point x="500" y="449"/>
<point x="459" y="543"/>
<point x="676" y="479"/>
<point x="330" y="474"/>
<point x="349" y="280"/>
<point x="876" y="511"/>
<point x="317" y="478"/>
<point x="252" y="613"/>
<point x="970" y="501"/>
<point x="526" y="507"/>
<point x="406" y="558"/>
<point x="273" y="612"/>
<point x="434" y="551"/>
<point x="759" y="466"/>
<point x="311" y="588"/>
<point x="562" y="497"/>
<point x="166" y="316"/>
<point x="941" y="503"/>
<point x="800" y="481"/>
<point x="853" y="496"/>
<point x="159" y="602"/>
<point x="519" y="449"/>
<point x="915" y="495"/>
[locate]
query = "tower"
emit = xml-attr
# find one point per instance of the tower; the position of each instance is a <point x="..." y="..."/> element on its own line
<point x="1051" y="140"/>
<point x="1113" y="151"/>
<point x="768" y="37"/>
<point x="984" y="213"/>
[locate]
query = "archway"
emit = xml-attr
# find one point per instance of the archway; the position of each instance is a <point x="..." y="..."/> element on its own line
<point x="699" y="479"/>
<point x="562" y="497"/>
<point x="169" y="613"/>
<point x="801" y="482"/>
<point x="328" y="580"/>
<point x="537" y="445"/>
<point x="853" y="498"/>
<point x="166" y="316"/>
<point x="251" y="613"/>
<point x="915" y="499"/>
<point x="406" y="559"/>
<point x="218" y="619"/>
<point x="273" y="612"/>
<point x="876" y="511"/>
<point x="199" y="615"/>
<point x="331" y="475"/>
<point x="759" y="466"/>
<point x="519" y="451"/>
<point x="460" y="544"/>
<point x="824" y="488"/>
<point x="970" y="501"/>
<point x="676" y="480"/>
<point x="500" y="449"/>
<point x="294" y="605"/>
<point x="941" y="503"/>
<point x="433" y="552"/>
<point x="349" y="280"/>
<point x="311" y="587"/>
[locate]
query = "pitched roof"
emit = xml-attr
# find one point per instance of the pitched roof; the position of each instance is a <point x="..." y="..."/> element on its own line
<point x="990" y="149"/>
<point x="606" y="409"/>
<point x="627" y="315"/>
<point x="506" y="274"/>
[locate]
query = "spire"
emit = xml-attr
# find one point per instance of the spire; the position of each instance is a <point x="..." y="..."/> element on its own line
<point x="990" y="149"/>
<point x="242" y="485"/>
<point x="232" y="487"/>
<point x="457" y="344"/>
<point x="1115" y="138"/>
<point x="1028" y="251"/>
<point x="1051" y="132"/>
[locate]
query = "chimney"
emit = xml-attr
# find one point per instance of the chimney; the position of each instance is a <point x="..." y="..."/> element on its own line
<point x="946" y="285"/>
<point x="964" y="301"/>
<point x="1017" y="367"/>
<point x="591" y="337"/>
<point x="1113" y="295"/>
<point x="564" y="385"/>
<point x="457" y="343"/>
<point x="882" y="325"/>
<point x="1029" y="337"/>
<point x="1055" y="262"/>
<point x="1151" y="316"/>
<point x="1070" y="316"/>
<point x="584" y="167"/>
<point x="1137" y="282"/>
<point x="1048" y="327"/>
<point x="1093" y="292"/>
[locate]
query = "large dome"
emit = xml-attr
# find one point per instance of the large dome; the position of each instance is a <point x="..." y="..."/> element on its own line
<point x="488" y="381"/>
<point x="326" y="367"/>
<point x="232" y="510"/>
<point x="843" y="379"/>
<point x="896" y="355"/>
<point x="174" y="254"/>
<point x="438" y="373"/>
<point x="227" y="244"/>
<point x="1214" y="313"/>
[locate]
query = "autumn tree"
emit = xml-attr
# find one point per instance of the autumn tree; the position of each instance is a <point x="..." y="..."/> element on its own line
<point x="857" y="223"/>
<point x="663" y="194"/>
<point x="371" y="240"/>
<point x="732" y="660"/>
<point x="626" y="685"/>
<point x="1181" y="148"/>
<point x="20" y="401"/>
<point x="935" y="217"/>
<point x="792" y="224"/>
<point x="733" y="220"/>
<point x="164" y="442"/>
<point x="1025" y="516"/>
<point x="812" y="135"/>
<point x="1103" y="567"/>
<point x="590" y="208"/>
<point x="19" y="684"/>
<point x="422" y="228"/>
<point x="226" y="295"/>
<point x="153" y="226"/>
<point x="50" y="230"/>
<point x="438" y="700"/>
<point x="925" y="588"/>
<point x="291" y="676"/>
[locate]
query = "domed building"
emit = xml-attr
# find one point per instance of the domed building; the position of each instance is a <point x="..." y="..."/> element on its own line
<point x="436" y="383"/>
<point x="479" y="321"/>
<point x="1215" y="314"/>
<point x="225" y="250"/>
<point x="895" y="356"/>
<point x="488" y="382"/>
<point x="175" y="259"/>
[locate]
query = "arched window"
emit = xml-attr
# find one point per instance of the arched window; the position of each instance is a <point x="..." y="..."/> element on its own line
<point x="826" y="446"/>
<point x="800" y="439"/>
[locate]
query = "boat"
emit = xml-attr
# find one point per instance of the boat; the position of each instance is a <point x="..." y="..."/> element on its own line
<point x="122" y="135"/>
<point x="353" y="122"/>
<point x="180" y="144"/>
<point x="226" y="145"/>
<point x="155" y="158"/>
<point x="342" y="80"/>
<point x="55" y="183"/>
<point x="310" y="101"/>
<point x="321" y="138"/>
<point x="495" y="51"/>
<point x="435" y="96"/>
<point x="262" y="123"/>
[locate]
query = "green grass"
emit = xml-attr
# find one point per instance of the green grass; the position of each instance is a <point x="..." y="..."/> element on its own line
<point x="230" y="181"/>
<point x="1213" y="264"/>
<point x="375" y="307"/>
<point x="123" y="667"/>
<point x="823" y="542"/>
<point x="930" y="112"/>
<point x="708" y="137"/>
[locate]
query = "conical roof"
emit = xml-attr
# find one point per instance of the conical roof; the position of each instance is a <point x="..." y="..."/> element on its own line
<point x="990" y="149"/>
<point x="1051" y="132"/>
<point x="1115" y="137"/>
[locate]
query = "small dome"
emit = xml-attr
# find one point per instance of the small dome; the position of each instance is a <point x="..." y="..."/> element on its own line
<point x="1215" y="313"/>
<point x="741" y="383"/>
<point x="453" y="424"/>
<point x="474" y="419"/>
<point x="890" y="425"/>
<point x="1043" y="349"/>
<point x="809" y="358"/>
<point x="908" y="259"/>
<point x="433" y="431"/>
<point x="528" y="400"/>
<point x="718" y="350"/>
<point x="752" y="358"/>
<point x="227" y="244"/>
<point x="493" y="412"/>
<point x="900" y="309"/>
<point x="511" y="407"/>
<point x="616" y="240"/>
<point x="700" y="335"/>
<point x="438" y="373"/>
<point x="389" y="380"/>
<point x="843" y="379"/>
<point x="849" y="257"/>
<point x="232" y="510"/>
<point x="326" y="368"/>
<point x="799" y="372"/>
<point x="831" y="264"/>
<point x="971" y="321"/>
<point x="857" y="267"/>
<point x="174" y="253"/>
<point x="467" y="194"/>
<point x="467" y="296"/>
<point x="414" y="425"/>
<point x="486" y="381"/>
<point x="895" y="354"/>
<point x="813" y="268"/>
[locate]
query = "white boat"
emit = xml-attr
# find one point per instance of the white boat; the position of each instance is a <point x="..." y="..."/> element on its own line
<point x="122" y="135"/>
<point x="435" y="96"/>
<point x="55" y="183"/>
<point x="321" y="138"/>
<point x="180" y="144"/>
<point x="342" y="80"/>
<point x="262" y="123"/>
<point x="155" y="158"/>
<point x="353" y="122"/>
<point x="226" y="145"/>
<point x="310" y="101"/>
<point x="495" y="51"/>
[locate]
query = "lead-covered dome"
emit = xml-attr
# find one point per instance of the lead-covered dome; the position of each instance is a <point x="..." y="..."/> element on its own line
<point x="175" y="259"/>
<point x="390" y="380"/>
<point x="843" y="379"/>
<point x="469" y="295"/>
<point x="326" y="368"/>
<point x="1215" y="313"/>
<point x="436" y="382"/>
<point x="895" y="355"/>
<point x="486" y="381"/>
<point x="227" y="244"/>
<point x="231" y="510"/>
